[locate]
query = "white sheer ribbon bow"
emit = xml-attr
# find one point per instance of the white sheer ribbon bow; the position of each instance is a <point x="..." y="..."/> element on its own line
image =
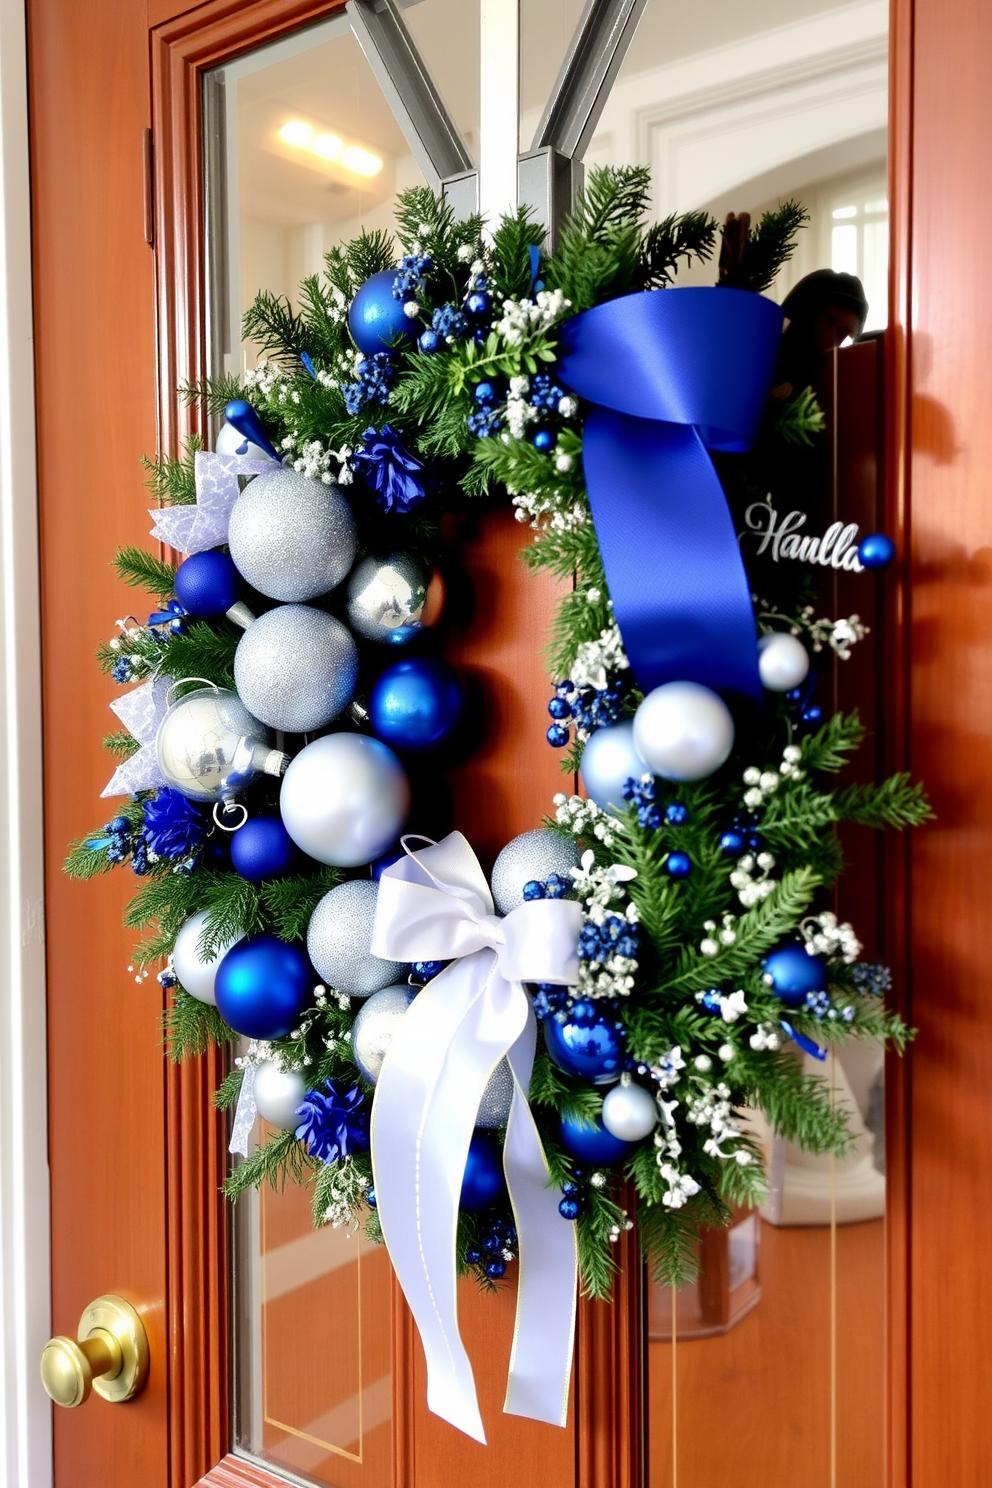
<point x="435" y="905"/>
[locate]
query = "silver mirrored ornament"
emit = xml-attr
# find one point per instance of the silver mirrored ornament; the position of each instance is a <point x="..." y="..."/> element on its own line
<point x="783" y="661"/>
<point x="387" y="598"/>
<point x="532" y="855"/>
<point x="494" y="1107"/>
<point x="609" y="760"/>
<point x="230" y="441"/>
<point x="277" y="1093"/>
<point x="209" y="745"/>
<point x="683" y="731"/>
<point x="291" y="537"/>
<point x="375" y="1027"/>
<point x="339" y="940"/>
<point x="629" y="1112"/>
<point x="196" y="972"/>
<point x="344" y="799"/>
<point x="296" y="668"/>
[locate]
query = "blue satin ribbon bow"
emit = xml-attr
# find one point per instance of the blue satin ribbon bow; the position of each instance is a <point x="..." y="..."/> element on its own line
<point x="672" y="374"/>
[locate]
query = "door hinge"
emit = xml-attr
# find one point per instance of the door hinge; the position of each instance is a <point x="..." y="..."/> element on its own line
<point x="146" y="161"/>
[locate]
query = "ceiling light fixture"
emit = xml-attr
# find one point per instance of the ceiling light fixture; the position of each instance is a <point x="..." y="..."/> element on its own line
<point x="327" y="146"/>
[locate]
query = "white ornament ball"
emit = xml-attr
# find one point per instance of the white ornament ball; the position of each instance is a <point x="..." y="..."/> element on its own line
<point x="278" y="1093"/>
<point x="375" y="1027"/>
<point x="196" y="973"/>
<point x="630" y="1112"/>
<point x="291" y="537"/>
<point x="296" y="668"/>
<point x="532" y="855"/>
<point x="494" y="1107"/>
<point x="339" y="941"/>
<point x="230" y="441"/>
<point x="609" y="760"/>
<point x="783" y="661"/>
<point x="683" y="731"/>
<point x="344" y="799"/>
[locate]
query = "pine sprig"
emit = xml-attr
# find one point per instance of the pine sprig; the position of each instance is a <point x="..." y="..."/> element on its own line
<point x="171" y="481"/>
<point x="895" y="802"/>
<point x="143" y="570"/>
<point x="273" y="1161"/>
<point x="677" y="239"/>
<point x="191" y="1026"/>
<point x="767" y="248"/>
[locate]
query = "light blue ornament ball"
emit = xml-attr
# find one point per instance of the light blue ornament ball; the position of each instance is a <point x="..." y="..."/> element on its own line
<point x="375" y="1027"/>
<point x="483" y="1180"/>
<point x="591" y="1143"/>
<point x="376" y="319"/>
<point x="588" y="1045"/>
<point x="344" y="799"/>
<point x="609" y="760"/>
<point x="684" y="731"/>
<point x="416" y="704"/>
<point x="630" y="1113"/>
<point x="791" y="973"/>
<point x="262" y="986"/>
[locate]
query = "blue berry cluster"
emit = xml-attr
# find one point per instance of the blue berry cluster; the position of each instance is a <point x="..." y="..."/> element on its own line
<point x="485" y="417"/>
<point x="616" y="936"/>
<point x="585" y="708"/>
<point x="495" y="1243"/>
<point x="819" y="1004"/>
<point x="571" y="1205"/>
<point x="375" y="375"/>
<point x="742" y="837"/>
<point x="545" y="394"/>
<point x="550" y="1001"/>
<point x="124" y="667"/>
<point x="871" y="978"/>
<point x="555" y="886"/>
<point x="410" y="275"/>
<point x="809" y="712"/>
<point x="641" y="793"/>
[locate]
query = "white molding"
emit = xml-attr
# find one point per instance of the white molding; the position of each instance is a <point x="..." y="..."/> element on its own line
<point x="25" y="1268"/>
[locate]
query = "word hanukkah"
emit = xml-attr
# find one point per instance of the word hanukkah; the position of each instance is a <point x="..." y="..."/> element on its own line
<point x="837" y="548"/>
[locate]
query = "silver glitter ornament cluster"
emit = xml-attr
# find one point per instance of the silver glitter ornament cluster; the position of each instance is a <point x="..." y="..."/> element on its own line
<point x="208" y="734"/>
<point x="375" y="1027"/>
<point x="339" y="940"/>
<point x="532" y="855"/>
<point x="296" y="668"/>
<point x="494" y="1107"/>
<point x="387" y="597"/>
<point x="291" y="537"/>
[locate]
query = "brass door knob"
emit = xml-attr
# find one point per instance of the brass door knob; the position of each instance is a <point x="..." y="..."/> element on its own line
<point x="108" y="1355"/>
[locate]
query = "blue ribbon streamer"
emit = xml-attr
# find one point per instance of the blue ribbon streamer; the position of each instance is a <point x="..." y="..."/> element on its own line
<point x="671" y="375"/>
<point x="806" y="1044"/>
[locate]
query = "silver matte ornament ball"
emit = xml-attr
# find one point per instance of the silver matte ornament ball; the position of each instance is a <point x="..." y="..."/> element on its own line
<point x="296" y="668"/>
<point x="532" y="855"/>
<point x="339" y="941"/>
<point x="683" y="731"/>
<point x="375" y="1027"/>
<point x="609" y="760"/>
<point x="277" y="1094"/>
<point x="629" y="1112"/>
<point x="291" y="537"/>
<point x="344" y="799"/>
<point x="195" y="971"/>
<point x="783" y="661"/>
<point x="208" y="735"/>
<point x="497" y="1098"/>
<point x="387" y="598"/>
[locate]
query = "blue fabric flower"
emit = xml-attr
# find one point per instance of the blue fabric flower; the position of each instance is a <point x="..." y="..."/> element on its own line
<point x="174" y="827"/>
<point x="333" y="1124"/>
<point x="397" y="477"/>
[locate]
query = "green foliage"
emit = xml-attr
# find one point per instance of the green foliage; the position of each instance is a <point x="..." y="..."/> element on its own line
<point x="273" y="1161"/>
<point x="192" y="1026"/>
<point x="142" y="570"/>
<point x="768" y="247"/>
<point x="121" y="744"/>
<point x="797" y="420"/>
<point x="174" y="481"/>
<point x="204" y="651"/>
<point x="678" y="239"/>
<point x="896" y="802"/>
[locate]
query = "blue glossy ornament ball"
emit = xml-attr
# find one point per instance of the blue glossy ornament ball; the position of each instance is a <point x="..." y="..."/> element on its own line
<point x="416" y="703"/>
<point x="478" y="303"/>
<point x="732" y="843"/>
<point x="262" y="848"/>
<point x="544" y="439"/>
<point x="429" y="341"/>
<point x="207" y="584"/>
<point x="591" y="1142"/>
<point x="876" y="550"/>
<point x="588" y="1045"/>
<point x="483" y="1180"/>
<point x="375" y="319"/>
<point x="262" y="985"/>
<point x="678" y="865"/>
<point x="791" y="973"/>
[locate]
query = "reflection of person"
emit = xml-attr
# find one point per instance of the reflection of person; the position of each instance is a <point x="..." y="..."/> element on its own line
<point x="823" y="310"/>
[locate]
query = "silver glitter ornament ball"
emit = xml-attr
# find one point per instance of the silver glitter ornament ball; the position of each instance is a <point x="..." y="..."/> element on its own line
<point x="208" y="734"/>
<point x="532" y="855"/>
<point x="296" y="668"/>
<point x="494" y="1107"/>
<point x="629" y="1112"/>
<point x="387" y="598"/>
<point x="339" y="941"/>
<point x="291" y="537"/>
<point x="375" y="1028"/>
<point x="278" y="1093"/>
<point x="344" y="799"/>
<point x="195" y="971"/>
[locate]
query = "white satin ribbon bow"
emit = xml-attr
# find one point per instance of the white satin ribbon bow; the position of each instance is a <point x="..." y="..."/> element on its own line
<point x="435" y="905"/>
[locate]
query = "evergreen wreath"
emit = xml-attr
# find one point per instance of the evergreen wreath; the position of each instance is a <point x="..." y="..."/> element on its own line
<point x="686" y="889"/>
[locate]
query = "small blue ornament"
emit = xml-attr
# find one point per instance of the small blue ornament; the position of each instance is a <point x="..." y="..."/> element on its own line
<point x="262" y="848"/>
<point x="676" y="814"/>
<point x="732" y="843"/>
<point x="426" y="971"/>
<point x="678" y="865"/>
<point x="496" y="1269"/>
<point x="485" y="392"/>
<point x="877" y="550"/>
<point x="559" y="708"/>
<point x="478" y="303"/>
<point x="589" y="1045"/>
<point x="370" y="1198"/>
<point x="416" y="703"/>
<point x="483" y="1180"/>
<point x="429" y="341"/>
<point x="207" y="584"/>
<point x="569" y="1208"/>
<point x="557" y="736"/>
<point x="241" y="416"/>
<point x="534" y="889"/>
<point x="792" y="973"/>
<point x="375" y="319"/>
<point x="544" y="440"/>
<point x="591" y="1142"/>
<point x="812" y="714"/>
<point x="262" y="985"/>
